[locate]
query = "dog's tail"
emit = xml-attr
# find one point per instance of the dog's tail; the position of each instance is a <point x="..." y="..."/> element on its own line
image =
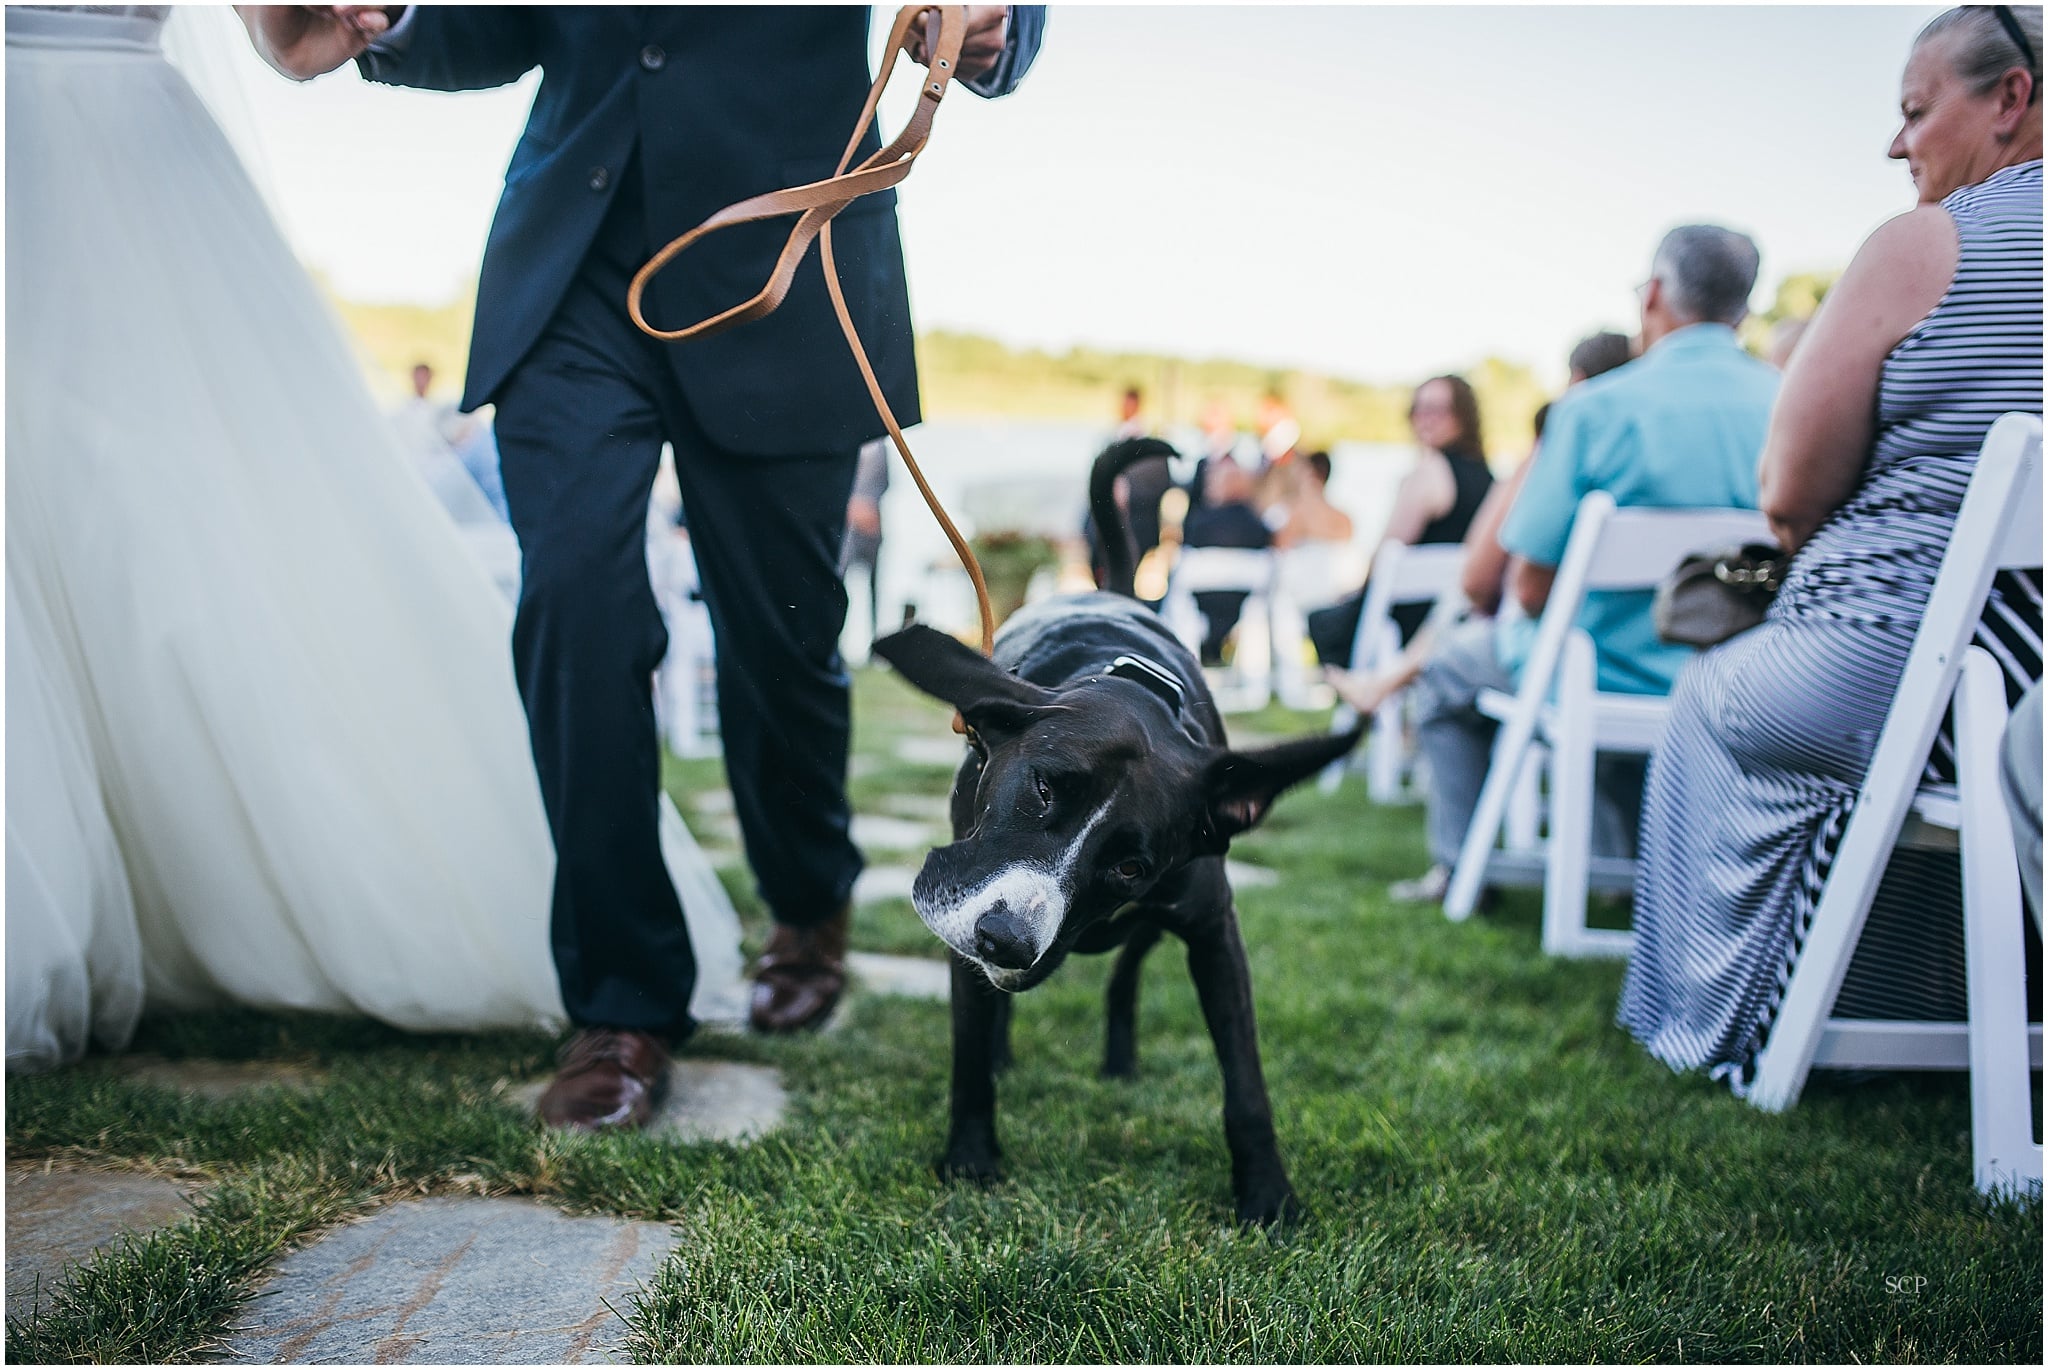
<point x="1110" y="523"/>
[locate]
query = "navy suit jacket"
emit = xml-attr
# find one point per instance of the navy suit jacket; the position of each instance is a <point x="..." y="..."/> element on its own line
<point x="716" y="103"/>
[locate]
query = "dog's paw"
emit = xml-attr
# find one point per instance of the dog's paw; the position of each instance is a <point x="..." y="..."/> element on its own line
<point x="1271" y="1209"/>
<point x="973" y="1167"/>
<point x="1123" y="1067"/>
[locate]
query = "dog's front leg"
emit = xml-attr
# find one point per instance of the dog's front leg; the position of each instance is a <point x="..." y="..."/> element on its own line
<point x="978" y="1014"/>
<point x="1223" y="982"/>
<point x="1120" y="1044"/>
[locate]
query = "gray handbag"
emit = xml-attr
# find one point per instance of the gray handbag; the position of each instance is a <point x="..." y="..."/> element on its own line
<point x="1711" y="596"/>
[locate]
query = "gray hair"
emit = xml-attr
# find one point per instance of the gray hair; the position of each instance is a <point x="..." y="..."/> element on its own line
<point x="1600" y="353"/>
<point x="1707" y="272"/>
<point x="1984" y="51"/>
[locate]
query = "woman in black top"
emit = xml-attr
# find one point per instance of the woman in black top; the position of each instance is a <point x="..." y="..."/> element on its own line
<point x="1435" y="503"/>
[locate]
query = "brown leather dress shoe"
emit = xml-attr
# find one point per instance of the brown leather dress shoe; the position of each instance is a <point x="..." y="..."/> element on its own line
<point x="801" y="975"/>
<point x="606" y="1077"/>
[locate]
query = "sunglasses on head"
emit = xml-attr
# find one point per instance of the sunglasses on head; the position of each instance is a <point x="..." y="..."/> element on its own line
<point x="2011" y="24"/>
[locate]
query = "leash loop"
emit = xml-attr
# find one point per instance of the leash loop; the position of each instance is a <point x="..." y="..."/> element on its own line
<point x="816" y="204"/>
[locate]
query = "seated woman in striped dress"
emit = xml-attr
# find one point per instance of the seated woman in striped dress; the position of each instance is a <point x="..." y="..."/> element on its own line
<point x="1932" y="333"/>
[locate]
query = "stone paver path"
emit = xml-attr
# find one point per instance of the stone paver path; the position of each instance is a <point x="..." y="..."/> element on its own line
<point x="877" y="883"/>
<point x="459" y="1281"/>
<point x="708" y="1101"/>
<point x="932" y="808"/>
<point x="1245" y="876"/>
<point x="920" y="749"/>
<point x="885" y="832"/>
<point x="218" y="1079"/>
<point x="60" y="1217"/>
<point x="914" y="977"/>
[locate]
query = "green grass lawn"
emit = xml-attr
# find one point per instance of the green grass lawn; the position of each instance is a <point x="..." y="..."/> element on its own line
<point x="1494" y="1171"/>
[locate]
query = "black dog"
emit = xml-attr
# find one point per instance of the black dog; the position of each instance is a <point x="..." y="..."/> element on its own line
<point x="1092" y="811"/>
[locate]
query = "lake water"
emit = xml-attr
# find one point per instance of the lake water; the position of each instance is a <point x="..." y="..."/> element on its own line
<point x="1033" y="477"/>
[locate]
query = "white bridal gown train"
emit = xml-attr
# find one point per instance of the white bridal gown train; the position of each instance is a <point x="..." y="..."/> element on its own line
<point x="264" y="742"/>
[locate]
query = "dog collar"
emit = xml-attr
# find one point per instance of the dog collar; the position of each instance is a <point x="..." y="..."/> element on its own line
<point x="1153" y="677"/>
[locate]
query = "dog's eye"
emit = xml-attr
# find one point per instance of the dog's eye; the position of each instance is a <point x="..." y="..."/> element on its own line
<point x="1128" y="870"/>
<point x="1044" y="791"/>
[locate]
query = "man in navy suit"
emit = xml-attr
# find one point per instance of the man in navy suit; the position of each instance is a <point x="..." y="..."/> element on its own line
<point x="647" y="120"/>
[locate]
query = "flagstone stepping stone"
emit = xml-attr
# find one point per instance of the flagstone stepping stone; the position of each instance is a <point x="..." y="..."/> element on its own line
<point x="921" y="749"/>
<point x="455" y="1281"/>
<point x="880" y="831"/>
<point x="715" y="829"/>
<point x="57" y="1218"/>
<point x="1245" y="876"/>
<point x="877" y="883"/>
<point x="708" y="1101"/>
<point x="218" y="1079"/>
<point x="711" y="801"/>
<point x="914" y="977"/>
<point x="932" y="808"/>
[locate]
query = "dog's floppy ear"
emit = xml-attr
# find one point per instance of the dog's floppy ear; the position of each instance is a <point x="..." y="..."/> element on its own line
<point x="1241" y="786"/>
<point x="942" y="666"/>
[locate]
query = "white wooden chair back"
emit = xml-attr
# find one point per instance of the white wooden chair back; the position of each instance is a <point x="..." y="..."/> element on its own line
<point x="686" y="682"/>
<point x="1998" y="528"/>
<point x="1401" y="573"/>
<point x="1609" y="549"/>
<point x="1639" y="547"/>
<point x="1246" y="570"/>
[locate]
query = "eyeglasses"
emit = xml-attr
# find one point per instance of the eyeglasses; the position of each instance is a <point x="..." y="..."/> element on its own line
<point x="2011" y="25"/>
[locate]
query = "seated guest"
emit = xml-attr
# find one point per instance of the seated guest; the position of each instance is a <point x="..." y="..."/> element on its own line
<point x="1436" y="503"/>
<point x="1219" y="439"/>
<point x="1316" y="561"/>
<point x="1138" y="490"/>
<point x="1483" y="574"/>
<point x="1784" y="341"/>
<point x="1596" y="354"/>
<point x="1224" y="518"/>
<point x="1932" y="333"/>
<point x="1451" y="627"/>
<point x="1309" y="517"/>
<point x="1679" y="427"/>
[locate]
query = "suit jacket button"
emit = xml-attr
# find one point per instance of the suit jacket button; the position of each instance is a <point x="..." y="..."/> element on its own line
<point x="599" y="178"/>
<point x="652" y="57"/>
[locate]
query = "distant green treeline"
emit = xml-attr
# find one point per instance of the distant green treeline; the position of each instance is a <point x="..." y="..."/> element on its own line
<point x="964" y="375"/>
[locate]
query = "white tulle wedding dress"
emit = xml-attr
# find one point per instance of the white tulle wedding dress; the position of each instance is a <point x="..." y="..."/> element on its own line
<point x="264" y="745"/>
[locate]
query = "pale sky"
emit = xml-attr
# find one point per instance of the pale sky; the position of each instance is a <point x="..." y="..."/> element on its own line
<point x="1382" y="193"/>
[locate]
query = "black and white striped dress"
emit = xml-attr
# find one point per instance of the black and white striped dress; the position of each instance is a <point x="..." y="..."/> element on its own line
<point x="1772" y="732"/>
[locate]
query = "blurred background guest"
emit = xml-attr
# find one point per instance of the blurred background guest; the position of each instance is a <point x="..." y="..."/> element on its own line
<point x="1435" y="503"/>
<point x="1226" y="517"/>
<point x="1138" y="489"/>
<point x="862" y="551"/>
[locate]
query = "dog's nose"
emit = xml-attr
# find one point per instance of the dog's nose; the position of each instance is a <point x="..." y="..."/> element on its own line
<point x="1002" y="939"/>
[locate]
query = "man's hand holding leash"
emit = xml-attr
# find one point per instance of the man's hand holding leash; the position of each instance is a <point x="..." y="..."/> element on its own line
<point x="304" y="41"/>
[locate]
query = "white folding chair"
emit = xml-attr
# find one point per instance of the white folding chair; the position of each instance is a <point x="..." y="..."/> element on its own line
<point x="1400" y="574"/>
<point x="1560" y="704"/>
<point x="686" y="682"/>
<point x="1248" y="684"/>
<point x="1998" y="528"/>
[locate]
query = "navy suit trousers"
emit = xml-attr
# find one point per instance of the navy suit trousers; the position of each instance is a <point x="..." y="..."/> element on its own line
<point x="580" y="425"/>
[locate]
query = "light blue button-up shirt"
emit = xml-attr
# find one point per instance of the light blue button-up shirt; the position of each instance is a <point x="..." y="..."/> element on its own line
<point x="1681" y="427"/>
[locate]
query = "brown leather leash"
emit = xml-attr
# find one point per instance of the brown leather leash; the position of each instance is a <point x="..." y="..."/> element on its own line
<point x="815" y="205"/>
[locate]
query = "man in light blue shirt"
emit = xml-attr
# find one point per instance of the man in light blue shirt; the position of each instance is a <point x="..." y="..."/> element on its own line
<point x="1682" y="426"/>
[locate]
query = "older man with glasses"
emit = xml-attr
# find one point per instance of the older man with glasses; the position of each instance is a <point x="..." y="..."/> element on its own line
<point x="1679" y="427"/>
